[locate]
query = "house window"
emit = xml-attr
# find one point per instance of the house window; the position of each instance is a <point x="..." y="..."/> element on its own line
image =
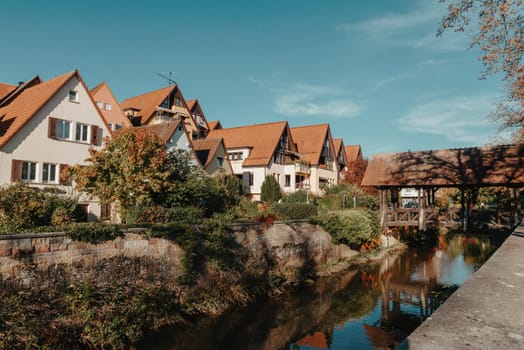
<point x="287" y="181"/>
<point x="178" y="101"/>
<point x="117" y="127"/>
<point x="107" y="106"/>
<point x="28" y="171"/>
<point x="73" y="95"/>
<point x="251" y="179"/>
<point x="81" y="132"/>
<point x="99" y="104"/>
<point x="63" y="130"/>
<point x="49" y="173"/>
<point x="220" y="162"/>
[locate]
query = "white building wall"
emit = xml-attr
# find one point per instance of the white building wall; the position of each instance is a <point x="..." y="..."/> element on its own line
<point x="32" y="143"/>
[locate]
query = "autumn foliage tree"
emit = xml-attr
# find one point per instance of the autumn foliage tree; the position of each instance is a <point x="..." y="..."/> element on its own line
<point x="499" y="34"/>
<point x="133" y="168"/>
<point x="354" y="173"/>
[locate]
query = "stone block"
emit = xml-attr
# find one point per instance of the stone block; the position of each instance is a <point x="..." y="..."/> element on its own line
<point x="5" y="251"/>
<point x="18" y="252"/>
<point x="42" y="248"/>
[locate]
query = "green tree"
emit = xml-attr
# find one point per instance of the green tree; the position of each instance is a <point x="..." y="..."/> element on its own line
<point x="499" y="35"/>
<point x="135" y="169"/>
<point x="270" y="190"/>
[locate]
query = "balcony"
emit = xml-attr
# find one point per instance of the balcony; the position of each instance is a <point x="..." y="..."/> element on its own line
<point x="302" y="168"/>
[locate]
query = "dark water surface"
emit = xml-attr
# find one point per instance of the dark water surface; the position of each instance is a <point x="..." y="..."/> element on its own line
<point x="373" y="307"/>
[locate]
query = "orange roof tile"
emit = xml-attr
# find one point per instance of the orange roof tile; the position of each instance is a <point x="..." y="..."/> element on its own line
<point x="163" y="131"/>
<point x="16" y="114"/>
<point x="262" y="139"/>
<point x="309" y="140"/>
<point x="206" y="149"/>
<point x="353" y="152"/>
<point x="191" y="104"/>
<point x="478" y="166"/>
<point x="5" y="89"/>
<point x="214" y="125"/>
<point x="147" y="102"/>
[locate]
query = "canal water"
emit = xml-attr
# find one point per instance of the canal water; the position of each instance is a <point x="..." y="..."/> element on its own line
<point x="372" y="307"/>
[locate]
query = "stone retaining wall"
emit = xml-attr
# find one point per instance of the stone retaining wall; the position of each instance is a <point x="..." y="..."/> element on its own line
<point x="46" y="259"/>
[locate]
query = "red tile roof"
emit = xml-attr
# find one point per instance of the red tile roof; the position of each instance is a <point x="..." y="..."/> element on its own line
<point x="310" y="140"/>
<point x="148" y="102"/>
<point x="215" y="124"/>
<point x="478" y="166"/>
<point x="16" y="114"/>
<point x="163" y="131"/>
<point x="5" y="89"/>
<point x="353" y="152"/>
<point x="262" y="139"/>
<point x="206" y="149"/>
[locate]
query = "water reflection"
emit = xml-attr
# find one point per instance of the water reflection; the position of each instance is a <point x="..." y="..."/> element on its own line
<point x="375" y="307"/>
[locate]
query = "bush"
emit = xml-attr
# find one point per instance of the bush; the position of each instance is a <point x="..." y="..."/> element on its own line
<point x="24" y="208"/>
<point x="92" y="232"/>
<point x="341" y="197"/>
<point x="155" y="214"/>
<point x="350" y="227"/>
<point x="293" y="211"/>
<point x="270" y="190"/>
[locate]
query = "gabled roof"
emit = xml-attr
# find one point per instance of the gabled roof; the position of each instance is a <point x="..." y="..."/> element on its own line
<point x="207" y="149"/>
<point x="475" y="166"/>
<point x="214" y="125"/>
<point x="310" y="140"/>
<point x="191" y="104"/>
<point x="163" y="131"/>
<point x="339" y="148"/>
<point x="13" y="94"/>
<point x="116" y="114"/>
<point x="5" y="89"/>
<point x="262" y="139"/>
<point x="353" y="152"/>
<point x="16" y="114"/>
<point x="148" y="102"/>
<point x="195" y="108"/>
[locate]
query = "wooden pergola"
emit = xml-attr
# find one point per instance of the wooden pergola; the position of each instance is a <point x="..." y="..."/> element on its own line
<point x="467" y="169"/>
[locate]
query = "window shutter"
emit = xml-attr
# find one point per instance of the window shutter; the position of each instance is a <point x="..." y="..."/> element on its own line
<point x="64" y="178"/>
<point x="94" y="135"/>
<point x="51" y="128"/>
<point x="16" y="170"/>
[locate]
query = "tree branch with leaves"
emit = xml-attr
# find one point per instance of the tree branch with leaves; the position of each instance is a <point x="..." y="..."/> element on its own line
<point x="499" y="34"/>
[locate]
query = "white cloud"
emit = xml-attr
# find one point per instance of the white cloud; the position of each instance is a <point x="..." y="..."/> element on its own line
<point x="415" y="28"/>
<point x="462" y="118"/>
<point x="307" y="100"/>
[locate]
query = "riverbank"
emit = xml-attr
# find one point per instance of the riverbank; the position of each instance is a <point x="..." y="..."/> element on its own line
<point x="486" y="312"/>
<point x="114" y="292"/>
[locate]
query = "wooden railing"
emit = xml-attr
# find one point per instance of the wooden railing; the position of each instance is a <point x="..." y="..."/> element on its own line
<point x="452" y="217"/>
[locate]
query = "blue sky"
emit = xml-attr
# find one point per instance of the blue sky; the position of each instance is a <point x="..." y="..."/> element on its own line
<point x="374" y="70"/>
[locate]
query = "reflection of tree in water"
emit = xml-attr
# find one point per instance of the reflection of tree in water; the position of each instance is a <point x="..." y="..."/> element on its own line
<point x="474" y="248"/>
<point x="407" y="287"/>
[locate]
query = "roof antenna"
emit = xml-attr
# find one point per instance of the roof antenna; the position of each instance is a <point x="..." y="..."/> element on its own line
<point x="167" y="78"/>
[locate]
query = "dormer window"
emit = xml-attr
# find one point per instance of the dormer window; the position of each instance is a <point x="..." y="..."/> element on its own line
<point x="73" y="96"/>
<point x="107" y="106"/>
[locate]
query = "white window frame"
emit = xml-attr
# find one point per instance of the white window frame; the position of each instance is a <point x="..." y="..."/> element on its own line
<point x="73" y="96"/>
<point x="49" y="170"/>
<point x="107" y="106"/>
<point x="84" y="130"/>
<point x="29" y="169"/>
<point x="99" y="104"/>
<point x="60" y="123"/>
